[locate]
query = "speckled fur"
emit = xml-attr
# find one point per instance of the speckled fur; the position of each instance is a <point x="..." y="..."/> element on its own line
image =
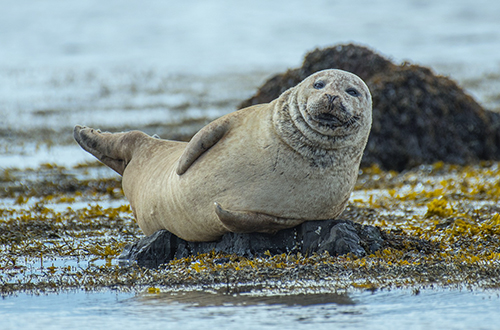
<point x="263" y="168"/>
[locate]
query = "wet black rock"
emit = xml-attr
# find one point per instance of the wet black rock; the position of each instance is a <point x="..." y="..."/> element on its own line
<point x="335" y="236"/>
<point x="418" y="117"/>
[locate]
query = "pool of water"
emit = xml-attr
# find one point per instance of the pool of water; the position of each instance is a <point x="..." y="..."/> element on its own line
<point x="429" y="309"/>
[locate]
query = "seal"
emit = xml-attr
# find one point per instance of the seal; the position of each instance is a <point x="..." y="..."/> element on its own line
<point x="260" y="169"/>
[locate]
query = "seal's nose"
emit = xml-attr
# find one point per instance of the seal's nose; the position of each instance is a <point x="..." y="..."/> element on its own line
<point x="331" y="98"/>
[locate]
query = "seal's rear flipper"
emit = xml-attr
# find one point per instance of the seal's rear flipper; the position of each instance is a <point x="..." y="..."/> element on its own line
<point x="251" y="222"/>
<point x="114" y="150"/>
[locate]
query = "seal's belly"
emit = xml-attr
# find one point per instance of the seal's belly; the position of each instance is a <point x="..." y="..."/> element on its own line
<point x="268" y="180"/>
<point x="296" y="196"/>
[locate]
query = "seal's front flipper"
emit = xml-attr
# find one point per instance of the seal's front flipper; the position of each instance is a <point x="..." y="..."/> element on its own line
<point x="251" y="222"/>
<point x="207" y="137"/>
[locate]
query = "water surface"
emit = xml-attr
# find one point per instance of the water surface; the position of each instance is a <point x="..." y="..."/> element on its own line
<point x="431" y="309"/>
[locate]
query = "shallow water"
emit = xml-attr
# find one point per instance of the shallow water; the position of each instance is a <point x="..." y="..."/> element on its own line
<point x="435" y="309"/>
<point x="121" y="64"/>
<point x="168" y="67"/>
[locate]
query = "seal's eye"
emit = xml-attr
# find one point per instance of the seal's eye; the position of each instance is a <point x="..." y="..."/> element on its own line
<point x="352" y="92"/>
<point x="319" y="85"/>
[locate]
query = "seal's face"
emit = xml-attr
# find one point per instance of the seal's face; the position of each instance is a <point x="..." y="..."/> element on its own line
<point x="334" y="103"/>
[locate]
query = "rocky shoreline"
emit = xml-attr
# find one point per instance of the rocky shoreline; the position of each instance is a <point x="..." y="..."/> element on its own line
<point x="439" y="226"/>
<point x="409" y="224"/>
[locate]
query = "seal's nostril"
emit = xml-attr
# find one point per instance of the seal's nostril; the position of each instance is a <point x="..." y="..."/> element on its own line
<point x="331" y="98"/>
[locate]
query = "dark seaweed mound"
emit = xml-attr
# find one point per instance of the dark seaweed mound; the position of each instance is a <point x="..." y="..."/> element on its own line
<point x="418" y="117"/>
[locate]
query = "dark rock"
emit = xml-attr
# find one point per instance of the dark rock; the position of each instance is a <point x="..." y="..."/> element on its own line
<point x="418" y="117"/>
<point x="372" y="237"/>
<point x="152" y="250"/>
<point x="343" y="239"/>
<point x="335" y="236"/>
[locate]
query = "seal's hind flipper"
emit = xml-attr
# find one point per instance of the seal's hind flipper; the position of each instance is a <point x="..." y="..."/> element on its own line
<point x="95" y="142"/>
<point x="113" y="149"/>
<point x="207" y="137"/>
<point x="251" y="222"/>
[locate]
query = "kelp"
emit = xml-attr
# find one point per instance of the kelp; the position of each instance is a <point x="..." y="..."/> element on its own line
<point x="440" y="224"/>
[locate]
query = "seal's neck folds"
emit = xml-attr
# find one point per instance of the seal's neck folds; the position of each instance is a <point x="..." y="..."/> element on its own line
<point x="322" y="150"/>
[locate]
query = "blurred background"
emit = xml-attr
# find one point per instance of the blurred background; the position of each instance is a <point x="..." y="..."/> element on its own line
<point x="169" y="67"/>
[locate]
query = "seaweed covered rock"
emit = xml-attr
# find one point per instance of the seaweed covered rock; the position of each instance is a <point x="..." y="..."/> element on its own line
<point x="418" y="117"/>
<point x="335" y="236"/>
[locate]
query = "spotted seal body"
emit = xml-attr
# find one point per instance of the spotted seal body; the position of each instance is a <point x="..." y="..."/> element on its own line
<point x="260" y="169"/>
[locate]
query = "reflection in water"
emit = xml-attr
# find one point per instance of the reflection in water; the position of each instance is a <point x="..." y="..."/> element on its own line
<point x="216" y="298"/>
<point x="252" y="309"/>
<point x="244" y="310"/>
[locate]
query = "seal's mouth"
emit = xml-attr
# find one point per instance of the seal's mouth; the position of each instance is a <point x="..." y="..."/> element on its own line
<point x="328" y="119"/>
<point x="331" y="121"/>
<point x="333" y="114"/>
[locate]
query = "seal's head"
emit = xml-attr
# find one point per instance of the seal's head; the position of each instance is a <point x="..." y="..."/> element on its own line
<point x="334" y="103"/>
<point x="328" y="111"/>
